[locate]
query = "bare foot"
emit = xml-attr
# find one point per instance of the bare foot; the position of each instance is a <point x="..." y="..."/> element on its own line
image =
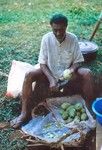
<point x="20" y="120"/>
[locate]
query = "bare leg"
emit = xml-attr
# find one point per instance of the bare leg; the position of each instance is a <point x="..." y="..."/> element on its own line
<point x="87" y="85"/>
<point x="28" y="98"/>
<point x="82" y="84"/>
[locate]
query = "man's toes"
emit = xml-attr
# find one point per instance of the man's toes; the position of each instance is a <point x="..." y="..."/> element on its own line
<point x="16" y="123"/>
<point x="13" y="122"/>
<point x="17" y="126"/>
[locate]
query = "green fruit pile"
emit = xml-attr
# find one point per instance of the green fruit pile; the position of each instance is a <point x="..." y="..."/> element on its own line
<point x="73" y="112"/>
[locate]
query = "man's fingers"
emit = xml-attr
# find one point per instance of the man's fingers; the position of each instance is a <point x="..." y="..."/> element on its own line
<point x="54" y="89"/>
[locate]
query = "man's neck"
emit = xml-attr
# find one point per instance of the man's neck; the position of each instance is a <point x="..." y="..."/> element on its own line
<point x="62" y="39"/>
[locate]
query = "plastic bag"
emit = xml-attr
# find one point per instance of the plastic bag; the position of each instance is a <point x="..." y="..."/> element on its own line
<point x="16" y="77"/>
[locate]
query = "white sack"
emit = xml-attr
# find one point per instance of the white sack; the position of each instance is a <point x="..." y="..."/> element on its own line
<point x="16" y="77"/>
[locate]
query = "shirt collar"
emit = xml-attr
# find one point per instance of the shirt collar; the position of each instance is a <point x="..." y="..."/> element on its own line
<point x="58" y="43"/>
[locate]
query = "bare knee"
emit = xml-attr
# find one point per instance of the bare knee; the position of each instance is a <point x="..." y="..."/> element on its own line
<point x="29" y="76"/>
<point x="85" y="73"/>
<point x="33" y="75"/>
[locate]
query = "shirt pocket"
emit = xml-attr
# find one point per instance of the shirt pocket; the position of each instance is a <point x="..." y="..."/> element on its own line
<point x="67" y="56"/>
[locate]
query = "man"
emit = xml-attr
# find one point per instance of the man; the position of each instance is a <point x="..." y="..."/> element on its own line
<point x="59" y="51"/>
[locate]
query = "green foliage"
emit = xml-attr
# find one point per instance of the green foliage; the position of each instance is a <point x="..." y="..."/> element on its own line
<point x="23" y="23"/>
<point x="9" y="109"/>
<point x="7" y="144"/>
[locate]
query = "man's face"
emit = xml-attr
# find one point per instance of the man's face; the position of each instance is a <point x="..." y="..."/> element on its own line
<point x="59" y="31"/>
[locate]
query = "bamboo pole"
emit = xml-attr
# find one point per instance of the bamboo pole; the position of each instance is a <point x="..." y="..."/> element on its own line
<point x="96" y="27"/>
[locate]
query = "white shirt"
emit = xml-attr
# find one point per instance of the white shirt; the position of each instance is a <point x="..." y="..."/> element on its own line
<point x="59" y="57"/>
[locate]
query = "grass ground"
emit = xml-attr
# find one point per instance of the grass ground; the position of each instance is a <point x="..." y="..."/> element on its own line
<point x="22" y="25"/>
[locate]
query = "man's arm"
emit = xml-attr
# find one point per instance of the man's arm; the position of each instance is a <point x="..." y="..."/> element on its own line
<point x="43" y="57"/>
<point x="49" y="75"/>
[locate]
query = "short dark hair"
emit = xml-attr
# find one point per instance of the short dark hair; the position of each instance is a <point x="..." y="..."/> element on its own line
<point x="59" y="18"/>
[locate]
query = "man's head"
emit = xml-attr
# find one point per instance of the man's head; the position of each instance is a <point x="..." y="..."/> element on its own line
<point x="59" y="24"/>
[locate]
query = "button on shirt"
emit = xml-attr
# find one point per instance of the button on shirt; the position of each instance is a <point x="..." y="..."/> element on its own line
<point x="59" y="56"/>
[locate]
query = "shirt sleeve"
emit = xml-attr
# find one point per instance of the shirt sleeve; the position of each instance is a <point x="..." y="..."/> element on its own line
<point x="42" y="59"/>
<point x="78" y="57"/>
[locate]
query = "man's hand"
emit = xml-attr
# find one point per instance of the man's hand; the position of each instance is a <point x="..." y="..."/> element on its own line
<point x="53" y="82"/>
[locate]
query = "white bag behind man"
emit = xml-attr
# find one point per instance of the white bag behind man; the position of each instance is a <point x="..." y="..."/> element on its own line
<point x="16" y="77"/>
